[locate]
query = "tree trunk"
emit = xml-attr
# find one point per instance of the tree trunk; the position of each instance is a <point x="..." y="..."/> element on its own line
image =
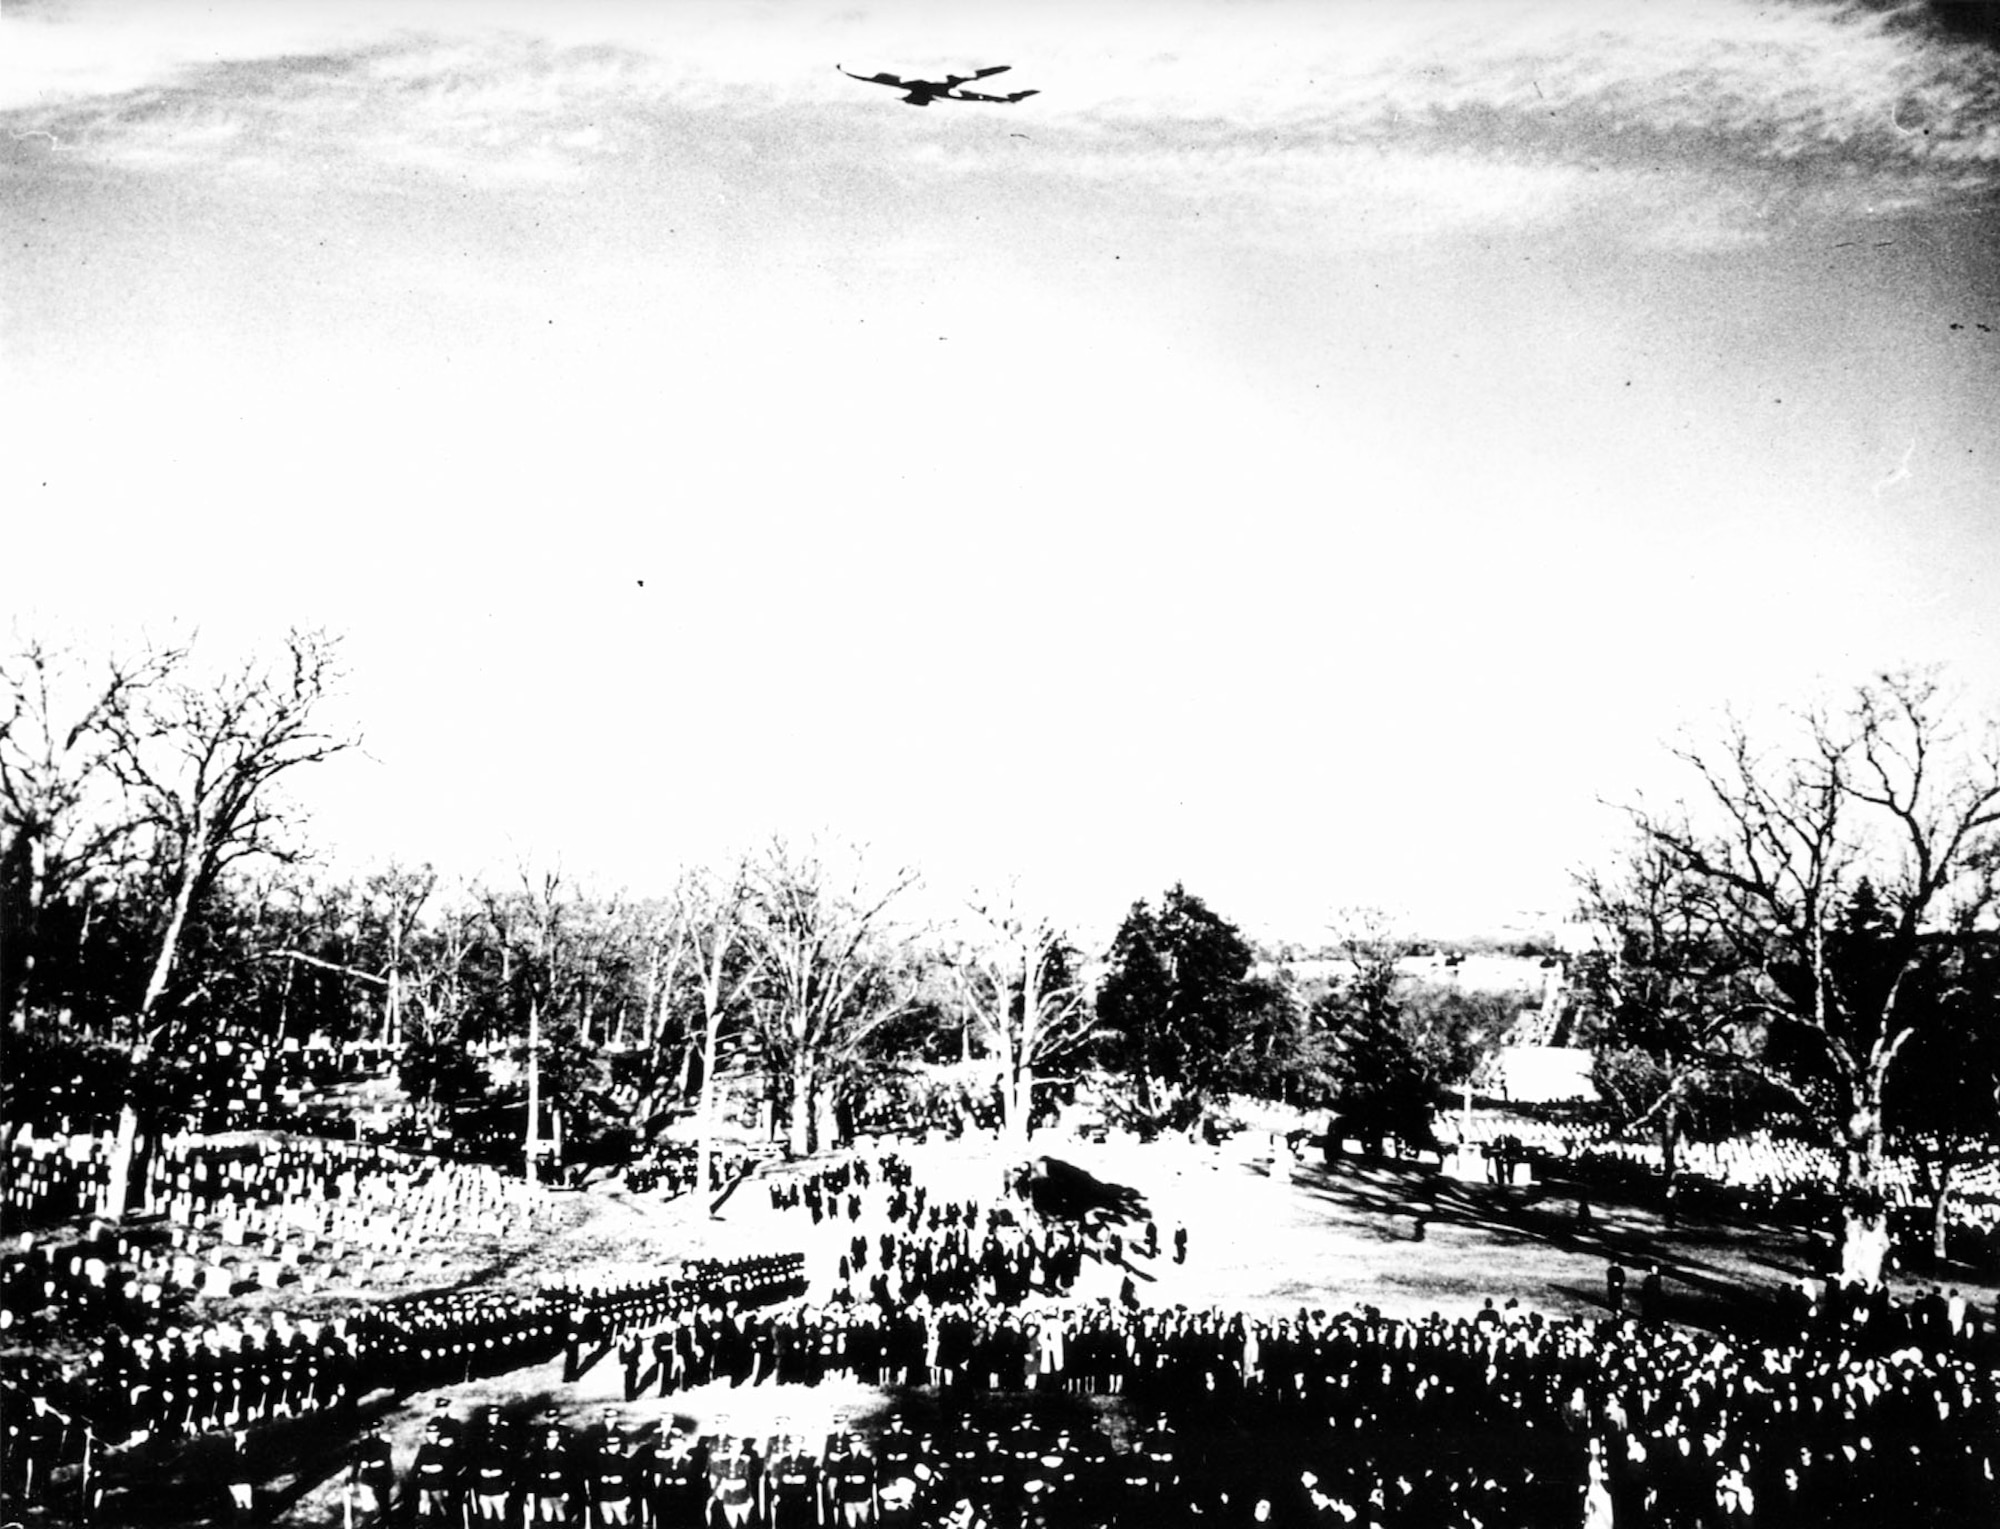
<point x="118" y="1188"/>
<point x="799" y="1139"/>
<point x="704" y="1152"/>
<point x="532" y="1146"/>
<point x="1865" y="1213"/>
<point x="1146" y="1067"/>
<point x="285" y="998"/>
<point x="170" y="940"/>
<point x="28" y="936"/>
<point x="392" y="1008"/>
<point x="1670" y="1142"/>
<point x="685" y="1081"/>
<point x="1019" y="1101"/>
<point x="1940" y="1197"/>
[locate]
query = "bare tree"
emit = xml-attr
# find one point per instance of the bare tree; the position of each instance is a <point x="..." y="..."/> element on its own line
<point x="1886" y="790"/>
<point x="1667" y="984"/>
<point x="437" y="1064"/>
<point x="201" y="762"/>
<point x="395" y="899"/>
<point x="65" y="823"/>
<point x="546" y="974"/>
<point x="1016" y="983"/>
<point x="826" y="981"/>
<point x="725" y="972"/>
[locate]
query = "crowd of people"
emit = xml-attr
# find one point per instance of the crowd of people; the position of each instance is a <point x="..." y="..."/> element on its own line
<point x="671" y="1170"/>
<point x="1759" y="1175"/>
<point x="159" y="1391"/>
<point x="838" y="1188"/>
<point x="1316" y="1418"/>
<point x="892" y="1243"/>
<point x="1850" y="1408"/>
<point x="496" y="1469"/>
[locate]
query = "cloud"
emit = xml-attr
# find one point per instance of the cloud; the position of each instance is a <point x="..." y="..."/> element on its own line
<point x="1711" y="118"/>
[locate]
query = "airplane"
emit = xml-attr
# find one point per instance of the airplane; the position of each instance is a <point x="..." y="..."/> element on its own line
<point x="923" y="92"/>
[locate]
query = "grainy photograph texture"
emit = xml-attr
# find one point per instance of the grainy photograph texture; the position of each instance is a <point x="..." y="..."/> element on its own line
<point x="1000" y="765"/>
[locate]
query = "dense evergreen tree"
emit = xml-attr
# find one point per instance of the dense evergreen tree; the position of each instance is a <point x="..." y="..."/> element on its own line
<point x="1173" y="1002"/>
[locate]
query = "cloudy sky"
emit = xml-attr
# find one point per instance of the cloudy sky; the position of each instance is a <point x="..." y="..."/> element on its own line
<point x="1317" y="452"/>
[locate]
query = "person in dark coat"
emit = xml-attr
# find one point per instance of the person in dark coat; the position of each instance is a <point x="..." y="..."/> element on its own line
<point x="238" y="1475"/>
<point x="435" y="1474"/>
<point x="1651" y="1298"/>
<point x="373" y="1474"/>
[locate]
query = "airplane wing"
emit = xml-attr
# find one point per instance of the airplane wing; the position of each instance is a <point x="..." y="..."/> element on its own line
<point x="1006" y="100"/>
<point x="977" y="74"/>
<point x="884" y="78"/>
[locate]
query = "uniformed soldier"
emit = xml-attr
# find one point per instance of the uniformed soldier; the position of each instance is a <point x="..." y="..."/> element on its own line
<point x="679" y="1481"/>
<point x="848" y="1482"/>
<point x="1052" y="1484"/>
<point x="903" y="1474"/>
<point x="896" y="1452"/>
<point x="614" y="1480"/>
<point x="435" y="1473"/>
<point x="238" y="1475"/>
<point x="1160" y="1446"/>
<point x="446" y="1425"/>
<point x="552" y="1479"/>
<point x="630" y="1348"/>
<point x="735" y="1482"/>
<point x="490" y="1471"/>
<point x="794" y="1479"/>
<point x="373" y="1474"/>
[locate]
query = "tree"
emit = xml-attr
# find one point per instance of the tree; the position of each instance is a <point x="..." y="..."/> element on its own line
<point x="1887" y="788"/>
<point x="1666" y="990"/>
<point x="394" y="899"/>
<point x="725" y="972"/>
<point x="1941" y="1105"/>
<point x="826" y="978"/>
<point x="1016" y="983"/>
<point x="1275" y="1051"/>
<point x="200" y="764"/>
<point x="437" y="1067"/>
<point x="546" y="971"/>
<point x="1397" y="1046"/>
<point x="1172" y="999"/>
<point x="66" y="828"/>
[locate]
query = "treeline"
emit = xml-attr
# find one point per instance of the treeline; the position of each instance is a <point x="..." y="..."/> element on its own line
<point x="160" y="896"/>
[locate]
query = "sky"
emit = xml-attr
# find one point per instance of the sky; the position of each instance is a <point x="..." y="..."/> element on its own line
<point x="1321" y="454"/>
